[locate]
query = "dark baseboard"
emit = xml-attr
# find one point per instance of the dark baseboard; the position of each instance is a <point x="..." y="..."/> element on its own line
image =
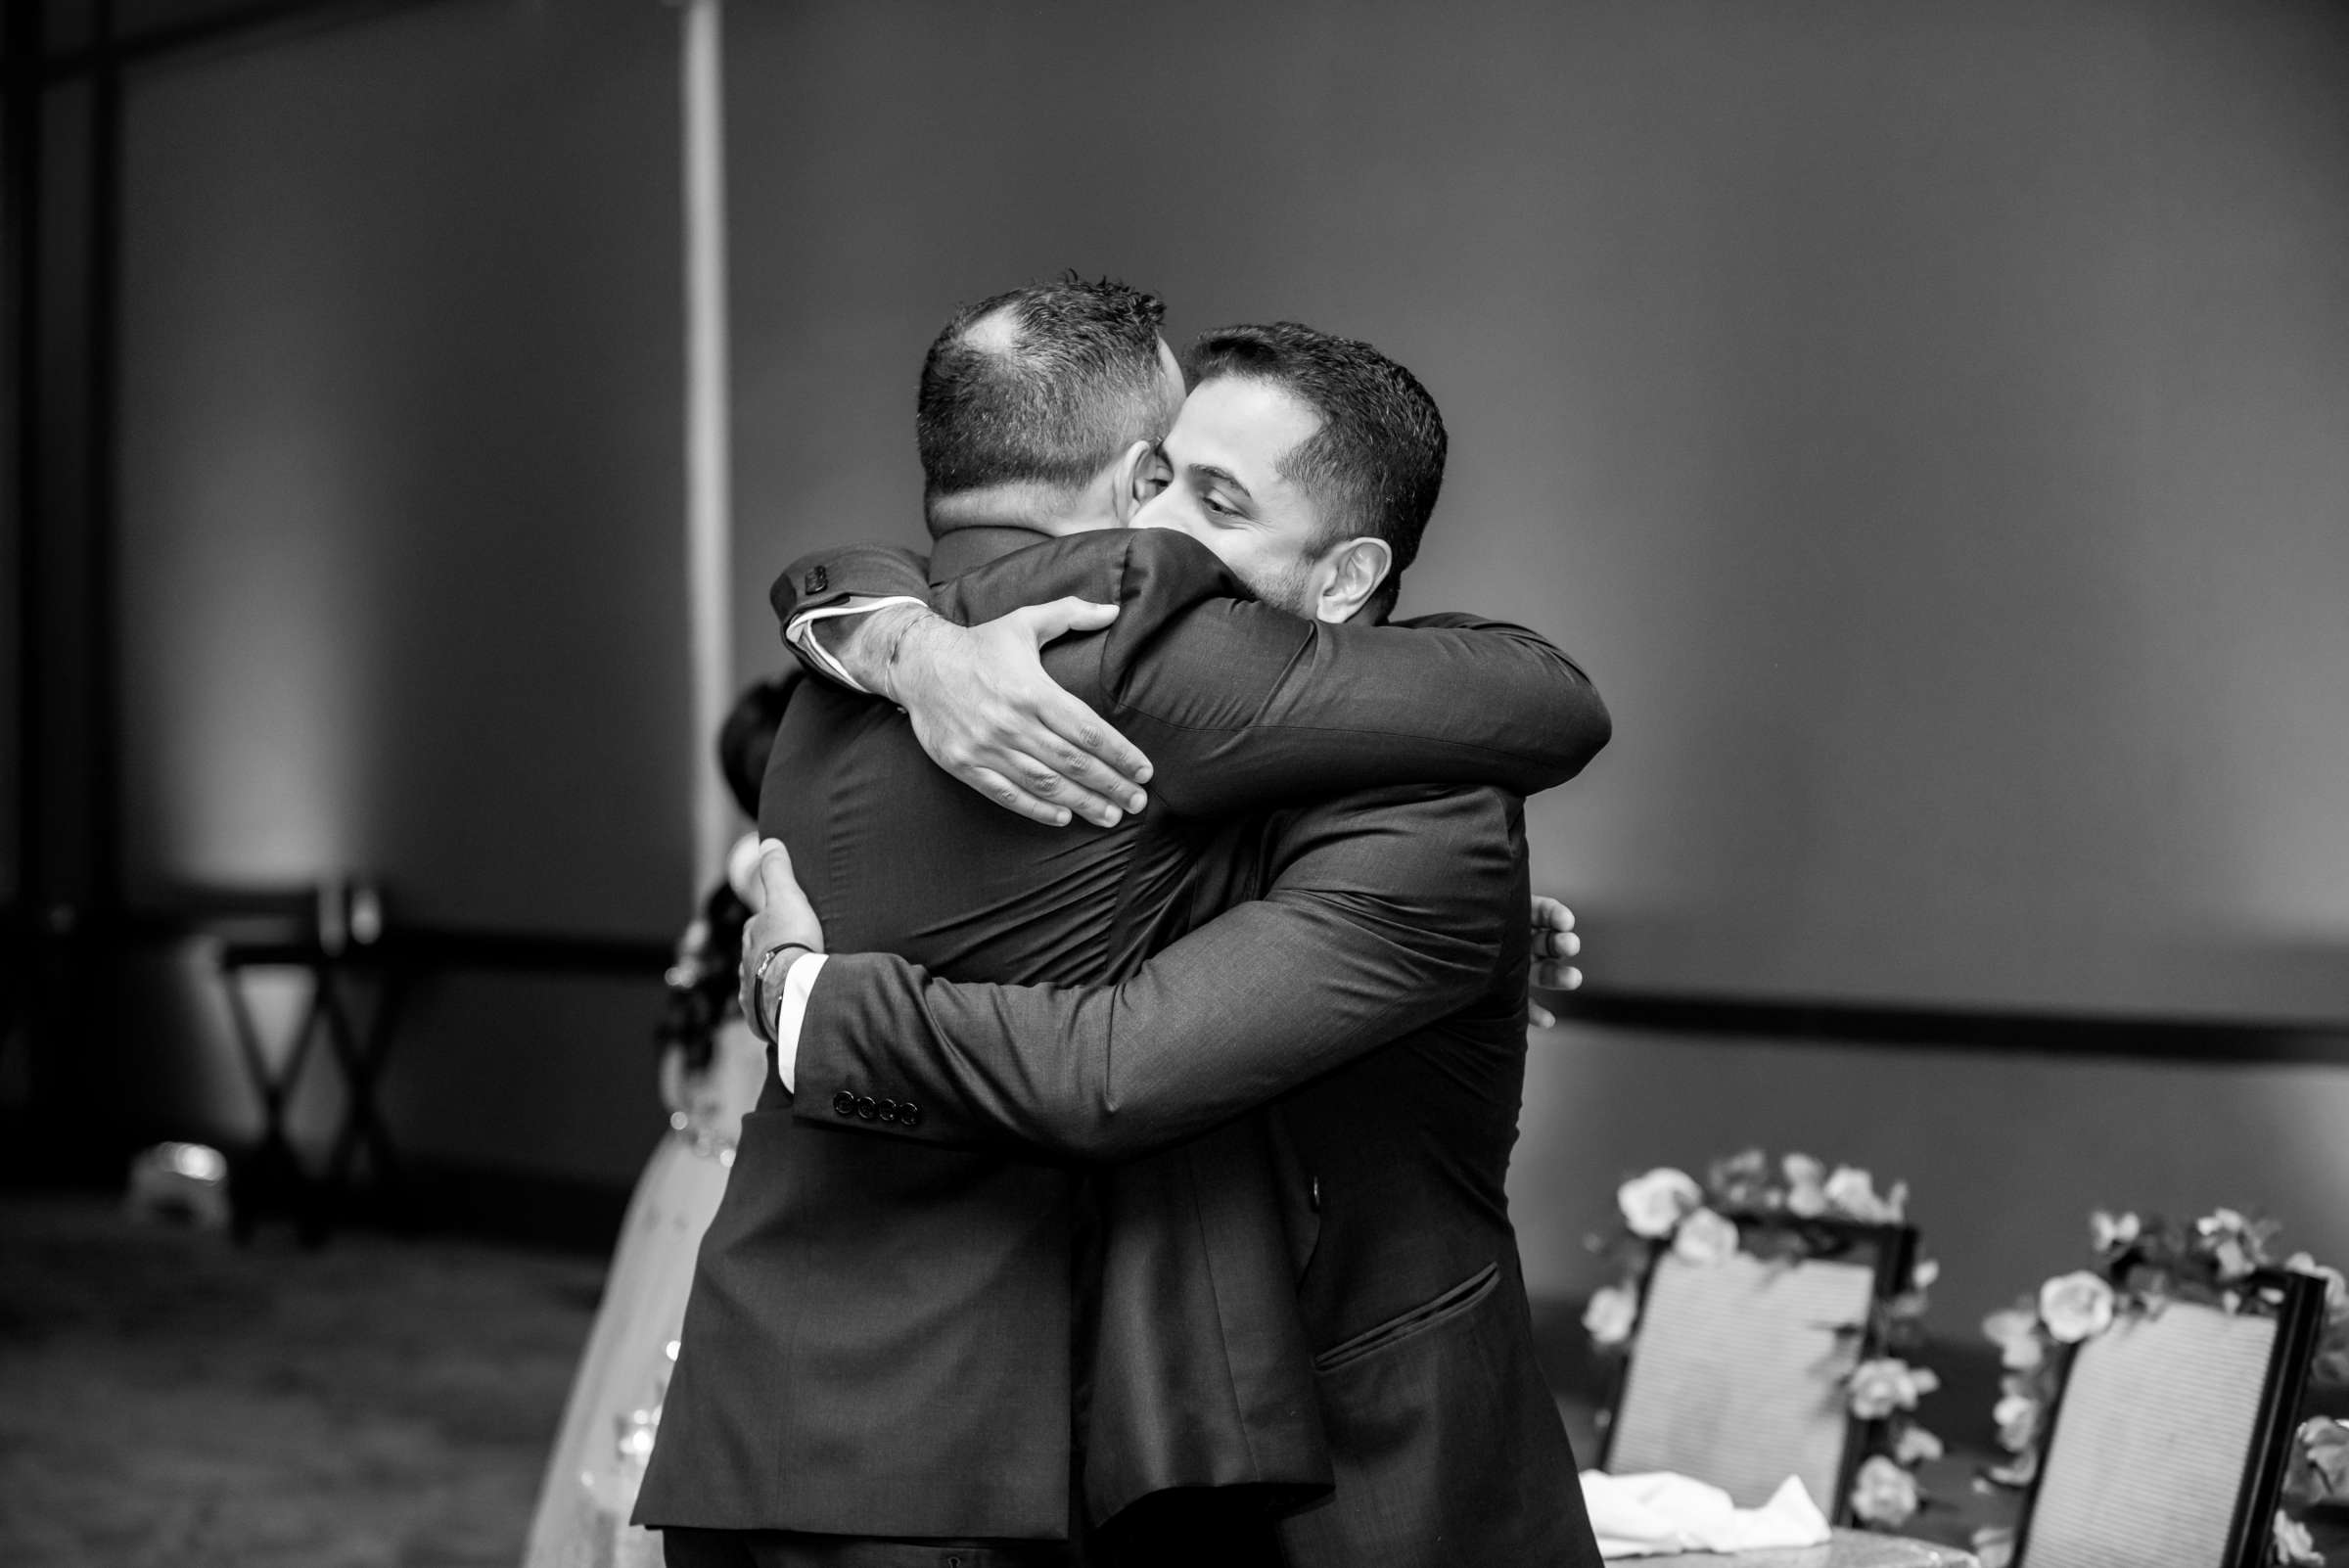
<point x="1828" y="1022"/>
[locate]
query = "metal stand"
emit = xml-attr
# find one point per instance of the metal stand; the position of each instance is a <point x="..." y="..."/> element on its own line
<point x="271" y="1179"/>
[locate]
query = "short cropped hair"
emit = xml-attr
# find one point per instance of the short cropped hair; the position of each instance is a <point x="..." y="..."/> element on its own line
<point x="1044" y="384"/>
<point x="1376" y="464"/>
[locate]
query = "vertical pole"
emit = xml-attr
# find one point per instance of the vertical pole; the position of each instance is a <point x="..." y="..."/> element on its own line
<point x="22" y="990"/>
<point x="708" y="498"/>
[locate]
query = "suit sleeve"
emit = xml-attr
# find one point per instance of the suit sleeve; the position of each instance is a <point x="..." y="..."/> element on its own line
<point x="1240" y="705"/>
<point x="827" y="578"/>
<point x="1392" y="911"/>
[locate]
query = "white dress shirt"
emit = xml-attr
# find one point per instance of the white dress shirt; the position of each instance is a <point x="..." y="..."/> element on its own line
<point x="791" y="1015"/>
<point x="799" y="635"/>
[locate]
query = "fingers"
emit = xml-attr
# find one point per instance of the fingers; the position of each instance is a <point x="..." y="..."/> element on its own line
<point x="742" y="867"/>
<point x="1044" y="783"/>
<point x="775" y="882"/>
<point x="1092" y="750"/>
<point x="1012" y="797"/>
<point x="1049" y="621"/>
<point x="1556" y="945"/>
<point x="1046" y="762"/>
<point x="1557" y="977"/>
<point x="1090" y="753"/>
<point x="1551" y="915"/>
<point x="1538" y="1016"/>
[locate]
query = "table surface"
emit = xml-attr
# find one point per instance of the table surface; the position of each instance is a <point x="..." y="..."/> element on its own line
<point x="1850" y="1548"/>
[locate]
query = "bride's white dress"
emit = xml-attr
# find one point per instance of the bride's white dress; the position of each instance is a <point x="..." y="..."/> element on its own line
<point x="613" y="1414"/>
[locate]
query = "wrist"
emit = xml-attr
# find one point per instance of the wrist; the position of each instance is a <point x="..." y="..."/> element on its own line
<point x="904" y="643"/>
<point x="860" y="644"/>
<point x="766" y="986"/>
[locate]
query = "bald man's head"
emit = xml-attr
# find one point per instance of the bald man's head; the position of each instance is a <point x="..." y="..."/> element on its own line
<point x="1043" y="385"/>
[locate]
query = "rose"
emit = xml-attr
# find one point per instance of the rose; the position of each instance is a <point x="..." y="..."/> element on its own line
<point x="1853" y="1191"/>
<point x="2075" y="1307"/>
<point x="1806" y="1186"/>
<point x="2022" y="1472"/>
<point x="1652" y="1205"/>
<point x="1884" y="1493"/>
<point x="2337" y="1285"/>
<point x="2232" y="1241"/>
<point x="1705" y="1237"/>
<point x="1851" y="1194"/>
<point x="2111" y="1232"/>
<point x="1613" y="1313"/>
<point x="2017" y="1417"/>
<point x="2294" y="1546"/>
<point x="1916" y="1446"/>
<point x="2015" y="1331"/>
<point x="1741" y="1181"/>
<point x="1881" y="1387"/>
<point x="2321" y="1468"/>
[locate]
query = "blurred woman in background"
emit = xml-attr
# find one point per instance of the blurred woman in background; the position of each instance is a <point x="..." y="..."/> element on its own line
<point x="711" y="1072"/>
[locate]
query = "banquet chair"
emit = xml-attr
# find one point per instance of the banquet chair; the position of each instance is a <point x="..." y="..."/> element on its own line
<point x="1734" y="1374"/>
<point x="2169" y="1435"/>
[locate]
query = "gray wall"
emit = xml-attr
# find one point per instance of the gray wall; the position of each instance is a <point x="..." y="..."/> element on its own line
<point x="401" y="524"/>
<point x="1930" y="423"/>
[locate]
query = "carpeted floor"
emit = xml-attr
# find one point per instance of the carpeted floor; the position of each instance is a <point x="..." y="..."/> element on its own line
<point x="169" y="1400"/>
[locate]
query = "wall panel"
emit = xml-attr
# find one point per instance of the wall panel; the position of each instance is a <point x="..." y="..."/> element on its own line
<point x="1930" y="424"/>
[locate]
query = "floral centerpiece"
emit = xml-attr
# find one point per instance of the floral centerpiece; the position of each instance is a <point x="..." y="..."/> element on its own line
<point x="1782" y="1213"/>
<point x="2154" y="1262"/>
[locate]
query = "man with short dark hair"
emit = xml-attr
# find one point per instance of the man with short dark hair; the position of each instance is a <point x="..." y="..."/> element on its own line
<point x="876" y="1359"/>
<point x="1374" y="465"/>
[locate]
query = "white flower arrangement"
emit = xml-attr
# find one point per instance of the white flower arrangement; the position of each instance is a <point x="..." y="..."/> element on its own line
<point x="1789" y="1209"/>
<point x="2207" y="1262"/>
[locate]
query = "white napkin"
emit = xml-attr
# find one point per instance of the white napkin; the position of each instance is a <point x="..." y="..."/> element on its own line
<point x="1645" y="1515"/>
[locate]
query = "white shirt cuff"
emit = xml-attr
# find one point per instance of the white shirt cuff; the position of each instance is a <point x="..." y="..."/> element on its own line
<point x="791" y="1013"/>
<point x="799" y="635"/>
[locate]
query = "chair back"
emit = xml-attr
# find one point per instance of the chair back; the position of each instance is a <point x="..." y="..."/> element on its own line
<point x="1735" y="1374"/>
<point x="2168" y="1440"/>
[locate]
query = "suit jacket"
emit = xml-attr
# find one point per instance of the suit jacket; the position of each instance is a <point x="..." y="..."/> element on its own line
<point x="1445" y="1444"/>
<point x="879" y="1337"/>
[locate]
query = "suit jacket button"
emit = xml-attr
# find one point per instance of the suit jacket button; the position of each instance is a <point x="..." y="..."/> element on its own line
<point x="864" y="1106"/>
<point x="908" y="1114"/>
<point x="817" y="580"/>
<point x="885" y="1110"/>
<point x="843" y="1104"/>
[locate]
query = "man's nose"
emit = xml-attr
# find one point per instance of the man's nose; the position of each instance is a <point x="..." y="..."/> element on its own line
<point x="1159" y="512"/>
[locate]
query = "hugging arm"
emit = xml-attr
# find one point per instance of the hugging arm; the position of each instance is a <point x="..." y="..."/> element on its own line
<point x="1392" y="911"/>
<point x="1240" y="705"/>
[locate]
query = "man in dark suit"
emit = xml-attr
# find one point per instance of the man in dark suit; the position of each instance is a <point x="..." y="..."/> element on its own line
<point x="876" y="1361"/>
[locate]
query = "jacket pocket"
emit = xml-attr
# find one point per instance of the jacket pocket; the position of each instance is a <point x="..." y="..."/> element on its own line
<point x="1429" y="1315"/>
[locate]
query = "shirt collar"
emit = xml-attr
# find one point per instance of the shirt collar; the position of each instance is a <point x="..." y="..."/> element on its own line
<point x="968" y="548"/>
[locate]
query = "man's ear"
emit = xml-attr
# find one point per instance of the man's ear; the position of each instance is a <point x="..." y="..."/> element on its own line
<point x="1350" y="574"/>
<point x="1125" y="480"/>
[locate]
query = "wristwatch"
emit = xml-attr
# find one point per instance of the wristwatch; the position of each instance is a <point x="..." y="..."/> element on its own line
<point x="763" y="1024"/>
